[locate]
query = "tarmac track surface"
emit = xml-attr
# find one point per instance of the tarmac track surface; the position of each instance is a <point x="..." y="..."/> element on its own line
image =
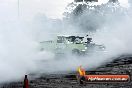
<point x="122" y="65"/>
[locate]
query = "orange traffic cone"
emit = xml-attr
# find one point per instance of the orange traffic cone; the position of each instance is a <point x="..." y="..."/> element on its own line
<point x="26" y="85"/>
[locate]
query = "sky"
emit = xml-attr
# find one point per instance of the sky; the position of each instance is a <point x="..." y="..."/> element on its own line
<point x="30" y="8"/>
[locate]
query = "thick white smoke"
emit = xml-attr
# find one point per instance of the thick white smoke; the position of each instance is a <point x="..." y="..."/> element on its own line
<point x="19" y="33"/>
<point x="116" y="32"/>
<point x="20" y="36"/>
<point x="18" y="51"/>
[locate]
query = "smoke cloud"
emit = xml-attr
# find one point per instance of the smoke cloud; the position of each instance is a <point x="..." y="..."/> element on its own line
<point x="20" y="36"/>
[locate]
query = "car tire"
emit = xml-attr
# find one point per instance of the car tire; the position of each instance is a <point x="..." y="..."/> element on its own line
<point x="75" y="52"/>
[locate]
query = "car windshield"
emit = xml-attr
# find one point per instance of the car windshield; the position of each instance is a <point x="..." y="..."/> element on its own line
<point x="75" y="39"/>
<point x="78" y="40"/>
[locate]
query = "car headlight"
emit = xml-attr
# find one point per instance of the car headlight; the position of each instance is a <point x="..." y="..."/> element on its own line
<point x="86" y="48"/>
<point x="83" y="50"/>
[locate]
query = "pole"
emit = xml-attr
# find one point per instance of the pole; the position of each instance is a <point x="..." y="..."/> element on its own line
<point x="18" y="3"/>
